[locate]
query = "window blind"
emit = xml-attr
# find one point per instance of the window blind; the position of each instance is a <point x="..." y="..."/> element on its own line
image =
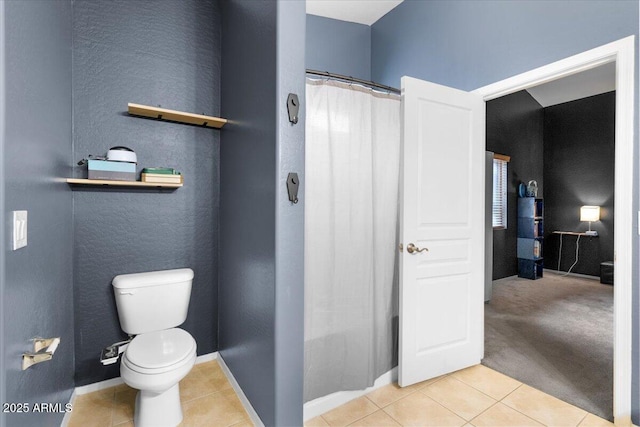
<point x="499" y="211"/>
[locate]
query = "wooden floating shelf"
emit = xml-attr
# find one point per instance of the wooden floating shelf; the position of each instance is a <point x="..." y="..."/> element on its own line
<point x="106" y="182"/>
<point x="176" y="116"/>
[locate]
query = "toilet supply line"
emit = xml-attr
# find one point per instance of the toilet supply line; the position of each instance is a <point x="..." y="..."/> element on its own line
<point x="111" y="354"/>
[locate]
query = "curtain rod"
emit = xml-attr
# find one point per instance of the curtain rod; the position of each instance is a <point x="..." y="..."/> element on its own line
<point x="354" y="80"/>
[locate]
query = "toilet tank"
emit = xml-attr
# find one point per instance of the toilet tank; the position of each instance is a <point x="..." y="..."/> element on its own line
<point x="152" y="301"/>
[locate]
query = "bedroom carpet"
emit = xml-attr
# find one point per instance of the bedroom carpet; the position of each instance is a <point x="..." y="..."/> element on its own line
<point x="554" y="334"/>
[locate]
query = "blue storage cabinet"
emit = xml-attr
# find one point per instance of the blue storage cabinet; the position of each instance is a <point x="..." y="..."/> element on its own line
<point x="530" y="237"/>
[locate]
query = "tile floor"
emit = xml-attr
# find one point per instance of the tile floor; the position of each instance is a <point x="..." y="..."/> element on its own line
<point x="474" y="397"/>
<point x="208" y="400"/>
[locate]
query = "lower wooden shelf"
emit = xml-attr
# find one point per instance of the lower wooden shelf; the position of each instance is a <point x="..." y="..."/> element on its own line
<point x="94" y="182"/>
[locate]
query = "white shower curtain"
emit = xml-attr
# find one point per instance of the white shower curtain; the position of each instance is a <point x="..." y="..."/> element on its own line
<point x="351" y="209"/>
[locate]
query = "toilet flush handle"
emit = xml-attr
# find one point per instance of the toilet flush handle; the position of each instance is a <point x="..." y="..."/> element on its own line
<point x="126" y="292"/>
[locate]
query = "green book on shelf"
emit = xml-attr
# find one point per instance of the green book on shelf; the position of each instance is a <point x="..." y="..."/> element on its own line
<point x="163" y="171"/>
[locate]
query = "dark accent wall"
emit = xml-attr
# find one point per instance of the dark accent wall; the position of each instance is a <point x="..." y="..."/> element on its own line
<point x="261" y="266"/>
<point x="515" y="128"/>
<point x="148" y="52"/>
<point x="338" y="46"/>
<point x="37" y="295"/>
<point x="472" y="43"/>
<point x="579" y="148"/>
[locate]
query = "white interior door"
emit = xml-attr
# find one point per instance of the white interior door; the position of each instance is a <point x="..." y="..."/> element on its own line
<point x="442" y="214"/>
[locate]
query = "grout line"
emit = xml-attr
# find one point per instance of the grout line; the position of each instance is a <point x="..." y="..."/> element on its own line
<point x="473" y="388"/>
<point x="401" y="397"/>
<point x="361" y="418"/>
<point x="479" y="391"/>
<point x="484" y="411"/>
<point x="509" y="394"/>
<point x="440" y="404"/>
<point x="583" y="418"/>
<point x="374" y="403"/>
<point x="392" y="417"/>
<point x="484" y="382"/>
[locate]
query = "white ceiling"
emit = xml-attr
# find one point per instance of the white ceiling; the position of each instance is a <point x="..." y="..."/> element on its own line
<point x="360" y="11"/>
<point x="592" y="82"/>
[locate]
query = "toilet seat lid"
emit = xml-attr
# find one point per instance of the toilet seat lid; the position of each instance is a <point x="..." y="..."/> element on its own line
<point x="159" y="349"/>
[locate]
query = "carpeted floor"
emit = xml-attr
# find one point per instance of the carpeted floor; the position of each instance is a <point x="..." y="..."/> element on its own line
<point x="554" y="334"/>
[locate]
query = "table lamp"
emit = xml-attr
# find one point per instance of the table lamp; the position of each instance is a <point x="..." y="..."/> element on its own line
<point x="590" y="213"/>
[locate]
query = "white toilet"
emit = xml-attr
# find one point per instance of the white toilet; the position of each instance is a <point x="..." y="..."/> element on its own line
<point x="151" y="306"/>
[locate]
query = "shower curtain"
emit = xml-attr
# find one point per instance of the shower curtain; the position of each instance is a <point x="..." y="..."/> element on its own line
<point x="351" y="210"/>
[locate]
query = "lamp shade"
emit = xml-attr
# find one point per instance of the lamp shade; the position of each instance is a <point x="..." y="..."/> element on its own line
<point x="590" y="213"/>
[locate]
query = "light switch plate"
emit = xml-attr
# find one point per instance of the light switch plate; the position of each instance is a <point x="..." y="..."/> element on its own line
<point x="19" y="230"/>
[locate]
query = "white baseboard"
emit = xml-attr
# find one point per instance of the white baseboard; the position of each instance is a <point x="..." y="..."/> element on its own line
<point x="207" y="357"/>
<point x="100" y="385"/>
<point x="255" y="419"/>
<point x="67" y="415"/>
<point x="323" y="404"/>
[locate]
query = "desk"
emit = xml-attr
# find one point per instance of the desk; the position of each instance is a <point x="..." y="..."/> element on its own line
<point x="570" y="233"/>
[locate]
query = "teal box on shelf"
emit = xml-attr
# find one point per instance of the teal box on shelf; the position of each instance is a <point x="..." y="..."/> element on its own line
<point x="117" y="171"/>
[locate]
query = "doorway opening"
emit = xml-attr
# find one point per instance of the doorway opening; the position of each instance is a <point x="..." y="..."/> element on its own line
<point x="621" y="54"/>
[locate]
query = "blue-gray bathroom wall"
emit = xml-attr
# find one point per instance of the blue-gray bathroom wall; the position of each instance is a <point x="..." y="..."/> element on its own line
<point x="261" y="266"/>
<point x="3" y="382"/>
<point x="469" y="44"/>
<point x="289" y="310"/>
<point x="338" y="46"/>
<point x="155" y="53"/>
<point x="248" y="200"/>
<point x="37" y="296"/>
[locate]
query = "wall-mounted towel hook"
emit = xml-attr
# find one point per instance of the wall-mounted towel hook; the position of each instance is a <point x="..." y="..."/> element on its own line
<point x="293" y="107"/>
<point x="43" y="350"/>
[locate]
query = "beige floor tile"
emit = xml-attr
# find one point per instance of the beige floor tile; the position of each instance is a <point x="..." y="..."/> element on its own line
<point x="124" y="405"/>
<point x="316" y="422"/>
<point x="500" y="415"/>
<point x="101" y="398"/>
<point x="350" y="412"/>
<point x="594" y="421"/>
<point x="418" y="409"/>
<point x="125" y="424"/>
<point x="90" y="418"/>
<point x="244" y="423"/>
<point x="377" y="419"/>
<point x="93" y="409"/>
<point x="120" y="387"/>
<point x="390" y="393"/>
<point x="544" y="408"/>
<point x="214" y="376"/>
<point x="488" y="381"/>
<point x="195" y="385"/>
<point x="464" y="400"/>
<point x="218" y="409"/>
<point x="423" y="384"/>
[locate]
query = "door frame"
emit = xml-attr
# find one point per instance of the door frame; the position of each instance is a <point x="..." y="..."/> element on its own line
<point x="622" y="53"/>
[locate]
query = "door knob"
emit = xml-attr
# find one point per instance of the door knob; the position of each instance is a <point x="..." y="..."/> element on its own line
<point x="411" y="248"/>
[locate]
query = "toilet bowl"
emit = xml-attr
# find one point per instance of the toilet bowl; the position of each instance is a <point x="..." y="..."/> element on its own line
<point x="154" y="363"/>
<point x="150" y="306"/>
